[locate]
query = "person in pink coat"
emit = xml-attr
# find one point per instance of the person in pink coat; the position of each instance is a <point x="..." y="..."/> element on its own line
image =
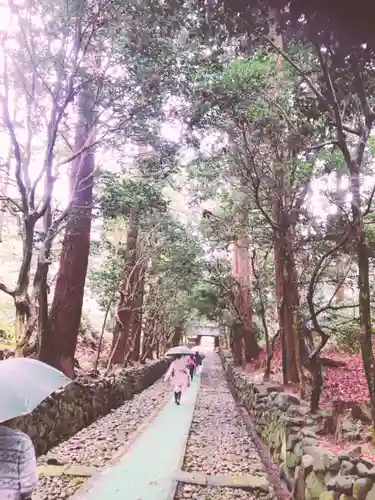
<point x="178" y="374"/>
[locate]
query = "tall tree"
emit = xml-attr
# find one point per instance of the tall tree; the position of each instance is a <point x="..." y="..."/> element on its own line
<point x="58" y="343"/>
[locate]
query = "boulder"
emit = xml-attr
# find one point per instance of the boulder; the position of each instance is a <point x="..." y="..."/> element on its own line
<point x="371" y="493"/>
<point x="344" y="484"/>
<point x="324" y="459"/>
<point x="314" y="486"/>
<point x="299" y="483"/>
<point x="327" y="495"/>
<point x="347" y="468"/>
<point x="283" y="401"/>
<point x="291" y="441"/>
<point x="293" y="421"/>
<point x="287" y="475"/>
<point x="362" y="412"/>
<point x="353" y="454"/>
<point x="361" y="487"/>
<point x="307" y="464"/>
<point x="362" y="469"/>
<point x="292" y="460"/>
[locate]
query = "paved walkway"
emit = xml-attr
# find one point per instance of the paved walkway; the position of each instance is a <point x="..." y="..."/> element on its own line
<point x="146" y="471"/>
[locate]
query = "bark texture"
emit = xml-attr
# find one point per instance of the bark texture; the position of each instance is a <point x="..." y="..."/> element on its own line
<point x="245" y="345"/>
<point x="121" y="343"/>
<point x="58" y="344"/>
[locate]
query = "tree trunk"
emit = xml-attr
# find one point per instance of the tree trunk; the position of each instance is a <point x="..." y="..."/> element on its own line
<point x="59" y="341"/>
<point x="263" y="315"/>
<point x="177" y="336"/>
<point x="287" y="296"/>
<point x="236" y="343"/>
<point x="242" y="275"/>
<point x="364" y="289"/>
<point x="138" y="314"/>
<point x="124" y="316"/>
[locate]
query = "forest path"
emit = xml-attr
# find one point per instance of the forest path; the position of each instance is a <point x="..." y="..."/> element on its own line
<point x="201" y="450"/>
<point x="147" y="470"/>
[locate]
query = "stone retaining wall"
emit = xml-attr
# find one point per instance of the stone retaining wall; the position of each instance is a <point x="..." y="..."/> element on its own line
<point x="81" y="403"/>
<point x="283" y="421"/>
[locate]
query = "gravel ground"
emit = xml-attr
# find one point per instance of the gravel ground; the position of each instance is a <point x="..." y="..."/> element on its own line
<point x="97" y="444"/>
<point x="219" y="442"/>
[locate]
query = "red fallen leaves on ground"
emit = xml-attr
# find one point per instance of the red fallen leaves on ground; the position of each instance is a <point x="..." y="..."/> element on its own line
<point x="347" y="383"/>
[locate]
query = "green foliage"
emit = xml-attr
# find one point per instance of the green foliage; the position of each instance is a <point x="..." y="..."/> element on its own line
<point x="105" y="280"/>
<point x="346" y="337"/>
<point x="212" y="297"/>
<point x="120" y="196"/>
<point x="169" y="248"/>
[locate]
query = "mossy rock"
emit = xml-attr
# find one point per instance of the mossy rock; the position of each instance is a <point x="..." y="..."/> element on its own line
<point x="298" y="450"/>
<point x="283" y="450"/>
<point x="327" y="495"/>
<point x="315" y="486"/>
<point x="279" y="437"/>
<point x="292" y="460"/>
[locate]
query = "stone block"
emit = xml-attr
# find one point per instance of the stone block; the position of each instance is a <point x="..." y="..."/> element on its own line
<point x="324" y="459"/>
<point x="361" y="487"/>
<point x="344" y="484"/>
<point x="291" y="441"/>
<point x="314" y="486"/>
<point x="292" y="460"/>
<point x="79" y="471"/>
<point x="307" y="464"/>
<point x="52" y="470"/>
<point x="287" y="475"/>
<point x="249" y="483"/>
<point x="299" y="487"/>
<point x="191" y="478"/>
<point x="327" y="495"/>
<point x="283" y="401"/>
<point x="371" y="494"/>
<point x="362" y="469"/>
<point x="347" y="468"/>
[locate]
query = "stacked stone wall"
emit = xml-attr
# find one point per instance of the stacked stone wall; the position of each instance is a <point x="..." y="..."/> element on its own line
<point x="68" y="411"/>
<point x="284" y="423"/>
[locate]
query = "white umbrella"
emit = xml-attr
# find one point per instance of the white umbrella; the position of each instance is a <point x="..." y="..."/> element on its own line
<point x="24" y="384"/>
<point x="180" y="349"/>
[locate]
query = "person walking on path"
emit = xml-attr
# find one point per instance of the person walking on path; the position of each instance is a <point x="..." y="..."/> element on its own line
<point x="18" y="472"/>
<point x="178" y="375"/>
<point x="198" y="361"/>
<point x="191" y="365"/>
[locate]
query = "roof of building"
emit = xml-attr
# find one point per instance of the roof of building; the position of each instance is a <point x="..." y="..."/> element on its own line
<point x="204" y="331"/>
